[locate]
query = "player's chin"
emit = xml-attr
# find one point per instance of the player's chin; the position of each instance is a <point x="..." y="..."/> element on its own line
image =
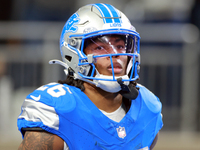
<point x="118" y="75"/>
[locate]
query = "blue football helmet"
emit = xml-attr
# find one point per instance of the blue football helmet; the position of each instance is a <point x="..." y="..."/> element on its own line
<point x="98" y="22"/>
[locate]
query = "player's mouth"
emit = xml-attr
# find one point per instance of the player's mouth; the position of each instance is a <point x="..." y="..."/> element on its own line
<point x="117" y="68"/>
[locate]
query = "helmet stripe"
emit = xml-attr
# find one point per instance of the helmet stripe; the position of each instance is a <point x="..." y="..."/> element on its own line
<point x="114" y="12"/>
<point x="104" y="13"/>
<point x="107" y="12"/>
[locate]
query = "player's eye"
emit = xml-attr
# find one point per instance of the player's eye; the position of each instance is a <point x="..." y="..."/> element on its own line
<point x="99" y="48"/>
<point x="120" y="47"/>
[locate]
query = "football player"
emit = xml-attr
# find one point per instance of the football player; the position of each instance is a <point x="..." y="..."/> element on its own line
<point x="99" y="106"/>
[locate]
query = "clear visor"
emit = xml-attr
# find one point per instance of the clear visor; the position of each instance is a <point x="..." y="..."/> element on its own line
<point x="121" y="49"/>
<point x="110" y="44"/>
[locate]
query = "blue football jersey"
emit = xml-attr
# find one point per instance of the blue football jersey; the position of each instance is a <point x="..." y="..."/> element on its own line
<point x="67" y="112"/>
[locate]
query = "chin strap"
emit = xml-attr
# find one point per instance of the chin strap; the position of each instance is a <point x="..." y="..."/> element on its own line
<point x="128" y="91"/>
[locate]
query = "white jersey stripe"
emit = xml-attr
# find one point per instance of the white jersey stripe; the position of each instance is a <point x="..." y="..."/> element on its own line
<point x="38" y="112"/>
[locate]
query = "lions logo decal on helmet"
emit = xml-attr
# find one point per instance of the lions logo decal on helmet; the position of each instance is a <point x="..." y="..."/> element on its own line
<point x="70" y="25"/>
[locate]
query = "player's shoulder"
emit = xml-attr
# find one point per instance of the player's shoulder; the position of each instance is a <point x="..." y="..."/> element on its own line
<point x="52" y="93"/>
<point x="45" y="105"/>
<point x="150" y="99"/>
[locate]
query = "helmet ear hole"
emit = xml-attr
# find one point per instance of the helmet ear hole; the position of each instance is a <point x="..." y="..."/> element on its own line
<point x="73" y="42"/>
<point x="69" y="58"/>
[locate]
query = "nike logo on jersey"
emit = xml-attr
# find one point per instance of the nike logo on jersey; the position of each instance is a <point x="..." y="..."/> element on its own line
<point x="35" y="98"/>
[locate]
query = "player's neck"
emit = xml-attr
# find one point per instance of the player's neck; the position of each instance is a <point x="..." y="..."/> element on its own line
<point x="106" y="101"/>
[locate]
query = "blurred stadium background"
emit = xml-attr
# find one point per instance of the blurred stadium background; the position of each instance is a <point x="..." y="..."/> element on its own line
<point x="170" y="60"/>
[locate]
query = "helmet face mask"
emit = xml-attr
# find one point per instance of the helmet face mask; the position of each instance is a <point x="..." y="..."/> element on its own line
<point x="109" y="34"/>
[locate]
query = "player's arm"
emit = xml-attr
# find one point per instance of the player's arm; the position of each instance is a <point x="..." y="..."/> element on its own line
<point x="154" y="142"/>
<point x="41" y="140"/>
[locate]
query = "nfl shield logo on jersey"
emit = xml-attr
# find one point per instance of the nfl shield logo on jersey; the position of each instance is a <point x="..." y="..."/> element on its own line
<point x="121" y="132"/>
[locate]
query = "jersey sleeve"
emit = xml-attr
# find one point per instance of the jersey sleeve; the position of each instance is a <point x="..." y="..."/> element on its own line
<point x="37" y="114"/>
<point x="39" y="109"/>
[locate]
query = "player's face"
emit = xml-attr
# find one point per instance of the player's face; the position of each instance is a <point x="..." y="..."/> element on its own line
<point x="108" y="45"/>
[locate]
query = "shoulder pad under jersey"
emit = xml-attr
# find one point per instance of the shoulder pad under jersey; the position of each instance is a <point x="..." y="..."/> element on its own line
<point x="151" y="101"/>
<point x="54" y="95"/>
<point x="43" y="106"/>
